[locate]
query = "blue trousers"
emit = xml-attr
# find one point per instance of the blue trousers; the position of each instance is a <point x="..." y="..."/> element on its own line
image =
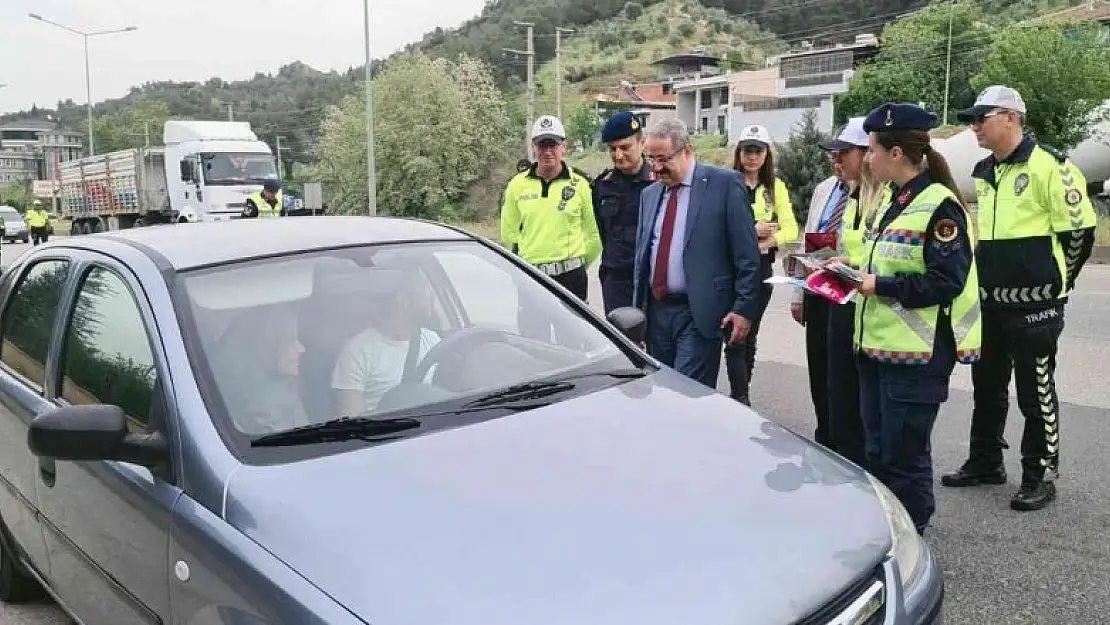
<point x="899" y="405"/>
<point x="675" y="341"/>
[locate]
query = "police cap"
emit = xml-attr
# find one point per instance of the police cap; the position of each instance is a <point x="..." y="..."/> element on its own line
<point x="620" y="126"/>
<point x="272" y="185"/>
<point x="899" y="116"/>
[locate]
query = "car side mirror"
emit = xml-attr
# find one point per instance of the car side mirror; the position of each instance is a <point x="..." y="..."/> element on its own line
<point x="631" y="321"/>
<point x="92" y="432"/>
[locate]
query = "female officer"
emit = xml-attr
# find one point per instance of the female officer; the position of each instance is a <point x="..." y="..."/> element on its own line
<point x="775" y="226"/>
<point x="866" y="197"/>
<point x="919" y="312"/>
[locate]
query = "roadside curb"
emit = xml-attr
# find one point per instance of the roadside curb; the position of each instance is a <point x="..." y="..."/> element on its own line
<point x="1100" y="255"/>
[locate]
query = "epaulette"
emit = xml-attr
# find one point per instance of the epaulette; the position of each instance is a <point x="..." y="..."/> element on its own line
<point x="579" y="172"/>
<point x="604" y="175"/>
<point x="1056" y="154"/>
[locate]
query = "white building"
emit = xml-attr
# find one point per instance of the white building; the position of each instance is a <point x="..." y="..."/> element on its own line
<point x="711" y="102"/>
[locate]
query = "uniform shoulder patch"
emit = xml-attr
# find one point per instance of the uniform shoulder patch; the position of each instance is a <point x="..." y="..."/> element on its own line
<point x="604" y="175"/>
<point x="580" y="172"/>
<point x="1073" y="197"/>
<point x="945" y="230"/>
<point x="1056" y="154"/>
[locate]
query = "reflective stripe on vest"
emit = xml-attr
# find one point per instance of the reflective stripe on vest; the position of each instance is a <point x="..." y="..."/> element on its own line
<point x="264" y="208"/>
<point x="887" y="331"/>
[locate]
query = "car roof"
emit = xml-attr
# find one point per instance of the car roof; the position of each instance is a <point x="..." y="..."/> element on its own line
<point x="188" y="246"/>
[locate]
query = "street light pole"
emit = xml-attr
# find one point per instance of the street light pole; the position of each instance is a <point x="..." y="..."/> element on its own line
<point x="88" y="81"/>
<point x="371" y="181"/>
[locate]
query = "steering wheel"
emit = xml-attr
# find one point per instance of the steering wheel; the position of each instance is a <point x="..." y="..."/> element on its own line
<point x="462" y="340"/>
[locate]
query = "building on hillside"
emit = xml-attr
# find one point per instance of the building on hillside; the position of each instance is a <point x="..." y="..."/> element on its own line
<point x="648" y="101"/>
<point x="1090" y="10"/>
<point x="32" y="149"/>
<point x="778" y="96"/>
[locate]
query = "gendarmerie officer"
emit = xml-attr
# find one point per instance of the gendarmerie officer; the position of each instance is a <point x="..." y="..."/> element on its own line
<point x="1036" y="230"/>
<point x="616" y="195"/>
<point x="919" y="311"/>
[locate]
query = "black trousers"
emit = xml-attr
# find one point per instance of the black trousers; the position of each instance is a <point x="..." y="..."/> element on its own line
<point x="538" y="326"/>
<point x="1024" y="342"/>
<point x="845" y="426"/>
<point x="816" y="314"/>
<point x="740" y="358"/>
<point x="40" y="234"/>
<point x="616" y="287"/>
<point x="576" y="281"/>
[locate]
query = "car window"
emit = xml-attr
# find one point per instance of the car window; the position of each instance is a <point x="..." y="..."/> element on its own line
<point x="28" y="322"/>
<point x="107" y="358"/>
<point x="310" y="337"/>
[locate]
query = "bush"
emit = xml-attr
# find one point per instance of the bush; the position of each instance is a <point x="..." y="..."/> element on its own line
<point x="633" y="10"/>
<point x="675" y="40"/>
<point x="687" y="30"/>
<point x="638" y="36"/>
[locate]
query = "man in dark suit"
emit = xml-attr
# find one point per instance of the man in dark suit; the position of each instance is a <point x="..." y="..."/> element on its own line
<point x="696" y="272"/>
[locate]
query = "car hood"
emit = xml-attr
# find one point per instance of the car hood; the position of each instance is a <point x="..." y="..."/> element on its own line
<point x="654" y="502"/>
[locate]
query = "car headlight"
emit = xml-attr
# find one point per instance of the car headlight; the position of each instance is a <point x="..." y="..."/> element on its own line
<point x="906" y="547"/>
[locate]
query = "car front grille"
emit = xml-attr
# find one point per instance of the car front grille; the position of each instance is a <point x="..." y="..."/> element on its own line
<point x="862" y="603"/>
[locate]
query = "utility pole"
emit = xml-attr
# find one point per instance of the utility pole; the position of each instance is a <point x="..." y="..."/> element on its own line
<point x="146" y="134"/>
<point x="531" y="54"/>
<point x="230" y="112"/>
<point x="559" y="70"/>
<point x="948" y="62"/>
<point x="280" y="160"/>
<point x="371" y="175"/>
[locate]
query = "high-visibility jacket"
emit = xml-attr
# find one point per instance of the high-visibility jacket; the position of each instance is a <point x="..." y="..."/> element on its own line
<point x="856" y="223"/>
<point x="36" y="218"/>
<point x="550" y="222"/>
<point x="888" y="332"/>
<point x="1036" y="227"/>
<point x="778" y="210"/>
<point x="264" y="207"/>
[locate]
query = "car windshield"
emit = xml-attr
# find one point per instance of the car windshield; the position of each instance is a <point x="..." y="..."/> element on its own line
<point x="379" y="331"/>
<point x="236" y="169"/>
<point x="10" y="215"/>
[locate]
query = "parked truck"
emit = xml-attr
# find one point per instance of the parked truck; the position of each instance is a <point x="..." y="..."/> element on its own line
<point x="204" y="172"/>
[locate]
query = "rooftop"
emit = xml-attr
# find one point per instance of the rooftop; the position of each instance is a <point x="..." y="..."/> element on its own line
<point x="190" y="246"/>
<point x="29" y="123"/>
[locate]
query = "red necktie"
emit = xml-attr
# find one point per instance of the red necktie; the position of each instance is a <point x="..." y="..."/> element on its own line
<point x="663" y="250"/>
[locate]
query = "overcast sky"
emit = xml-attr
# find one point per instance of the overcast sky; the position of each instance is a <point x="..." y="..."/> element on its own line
<point x="195" y="40"/>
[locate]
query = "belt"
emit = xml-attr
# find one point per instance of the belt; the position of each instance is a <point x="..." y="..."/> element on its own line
<point x="561" y="267"/>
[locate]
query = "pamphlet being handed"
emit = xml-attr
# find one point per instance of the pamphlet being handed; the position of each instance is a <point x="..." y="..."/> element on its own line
<point x="835" y="282"/>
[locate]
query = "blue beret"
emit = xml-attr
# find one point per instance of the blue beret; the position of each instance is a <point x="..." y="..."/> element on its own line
<point x="895" y="116"/>
<point x="620" y="126"/>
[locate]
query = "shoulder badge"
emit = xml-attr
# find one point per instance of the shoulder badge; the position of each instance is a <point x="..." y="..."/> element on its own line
<point x="580" y="172"/>
<point x="604" y="175"/>
<point x="767" y="197"/>
<point x="1056" y="154"/>
<point x="1073" y="197"/>
<point x="945" y="231"/>
<point x="1021" y="184"/>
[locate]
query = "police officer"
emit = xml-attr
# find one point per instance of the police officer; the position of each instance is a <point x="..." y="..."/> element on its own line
<point x="265" y="203"/>
<point x="919" y="309"/>
<point x="548" y="212"/>
<point x="1036" y="230"/>
<point x="616" y="195"/>
<point x="38" y="222"/>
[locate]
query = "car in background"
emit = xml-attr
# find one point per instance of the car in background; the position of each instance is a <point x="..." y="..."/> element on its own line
<point x="350" y="420"/>
<point x="15" y="229"/>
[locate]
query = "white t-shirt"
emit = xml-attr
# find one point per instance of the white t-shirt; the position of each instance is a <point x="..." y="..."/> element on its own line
<point x="372" y="363"/>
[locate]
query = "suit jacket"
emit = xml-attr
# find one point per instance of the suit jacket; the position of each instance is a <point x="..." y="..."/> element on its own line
<point x="720" y="252"/>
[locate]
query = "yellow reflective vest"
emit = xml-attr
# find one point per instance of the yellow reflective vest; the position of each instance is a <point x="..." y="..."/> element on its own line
<point x="550" y="222"/>
<point x="778" y="210"/>
<point x="36" y="218"/>
<point x="886" y="331"/>
<point x="856" y="223"/>
<point x="264" y="208"/>
<point x="1036" y="227"/>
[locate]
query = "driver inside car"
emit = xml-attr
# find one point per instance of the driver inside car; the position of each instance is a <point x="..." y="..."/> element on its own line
<point x="397" y="338"/>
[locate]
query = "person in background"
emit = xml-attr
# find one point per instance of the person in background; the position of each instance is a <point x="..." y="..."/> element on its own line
<point x="1036" y="231"/>
<point x="866" y="199"/>
<point x="918" y="310"/>
<point x="697" y="274"/>
<point x="38" y="222"/>
<point x="616" y="195"/>
<point x="265" y="203"/>
<point x="775" y="226"/>
<point x="547" y="211"/>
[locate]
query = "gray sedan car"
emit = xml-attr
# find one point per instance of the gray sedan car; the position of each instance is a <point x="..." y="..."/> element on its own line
<point x="371" y="420"/>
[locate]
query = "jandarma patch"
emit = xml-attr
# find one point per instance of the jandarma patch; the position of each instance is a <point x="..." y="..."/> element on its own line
<point x="946" y="230"/>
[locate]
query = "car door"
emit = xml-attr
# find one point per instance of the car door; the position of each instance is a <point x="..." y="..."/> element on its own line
<point x="33" y="293"/>
<point x="107" y="523"/>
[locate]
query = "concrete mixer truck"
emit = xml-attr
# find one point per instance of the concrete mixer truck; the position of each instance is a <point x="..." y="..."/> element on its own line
<point x="1092" y="157"/>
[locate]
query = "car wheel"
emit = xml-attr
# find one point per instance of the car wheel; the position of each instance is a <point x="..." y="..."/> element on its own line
<point x="16" y="586"/>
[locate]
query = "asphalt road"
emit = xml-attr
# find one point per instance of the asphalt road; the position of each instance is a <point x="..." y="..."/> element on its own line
<point x="1001" y="567"/>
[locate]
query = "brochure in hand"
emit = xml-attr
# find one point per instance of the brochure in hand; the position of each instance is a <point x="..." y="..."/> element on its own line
<point x="835" y="282"/>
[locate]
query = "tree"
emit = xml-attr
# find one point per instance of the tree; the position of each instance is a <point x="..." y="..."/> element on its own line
<point x="910" y="66"/>
<point x="1062" y="84"/>
<point x="802" y="163"/>
<point x="128" y="128"/>
<point x="17" y="195"/>
<point x="438" y="128"/>
<point x="582" y="125"/>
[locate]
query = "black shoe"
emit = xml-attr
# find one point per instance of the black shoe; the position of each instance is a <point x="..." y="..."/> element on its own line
<point x="1033" y="495"/>
<point x="973" y="474"/>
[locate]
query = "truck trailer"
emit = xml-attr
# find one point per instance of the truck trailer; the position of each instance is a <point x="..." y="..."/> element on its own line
<point x="204" y="172"/>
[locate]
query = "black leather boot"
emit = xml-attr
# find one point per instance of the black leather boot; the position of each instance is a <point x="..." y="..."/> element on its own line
<point x="1033" y="495"/>
<point x="974" y="474"/>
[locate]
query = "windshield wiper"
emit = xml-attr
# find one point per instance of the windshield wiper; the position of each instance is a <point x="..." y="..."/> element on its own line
<point x="519" y="392"/>
<point x="338" y="430"/>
